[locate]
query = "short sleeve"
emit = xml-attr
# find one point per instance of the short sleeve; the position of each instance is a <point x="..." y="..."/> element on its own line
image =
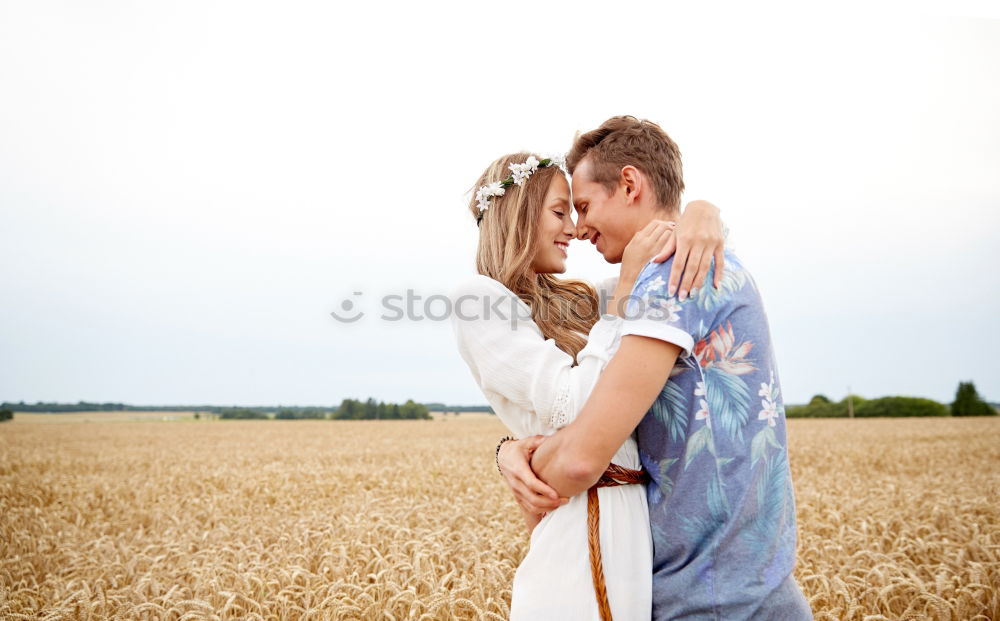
<point x="652" y="312"/>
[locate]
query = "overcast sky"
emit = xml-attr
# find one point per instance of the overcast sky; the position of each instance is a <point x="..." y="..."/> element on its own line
<point x="188" y="189"/>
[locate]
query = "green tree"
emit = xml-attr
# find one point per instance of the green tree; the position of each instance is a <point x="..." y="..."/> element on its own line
<point x="241" y="414"/>
<point x="6" y="415"/>
<point x="285" y="414"/>
<point x="899" y="406"/>
<point x="412" y="410"/>
<point x="969" y="403"/>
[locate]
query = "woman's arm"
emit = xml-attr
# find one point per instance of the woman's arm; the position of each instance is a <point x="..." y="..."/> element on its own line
<point x="512" y="361"/>
<point x="531" y="520"/>
<point x="699" y="236"/>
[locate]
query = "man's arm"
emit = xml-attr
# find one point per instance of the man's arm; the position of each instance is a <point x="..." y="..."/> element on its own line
<point x="574" y="458"/>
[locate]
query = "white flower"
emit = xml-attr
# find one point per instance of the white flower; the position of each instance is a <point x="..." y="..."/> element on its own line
<point x="702" y="414"/>
<point x="668" y="308"/>
<point x="557" y="160"/>
<point x="769" y="413"/>
<point x="769" y="402"/>
<point x="486" y="192"/>
<point x="672" y="308"/>
<point x="517" y="173"/>
<point x="655" y="284"/>
<point x="521" y="172"/>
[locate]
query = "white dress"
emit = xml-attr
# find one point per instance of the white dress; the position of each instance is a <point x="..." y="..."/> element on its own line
<point x="534" y="389"/>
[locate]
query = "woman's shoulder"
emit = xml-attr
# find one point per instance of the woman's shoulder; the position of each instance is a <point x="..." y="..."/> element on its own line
<point x="478" y="284"/>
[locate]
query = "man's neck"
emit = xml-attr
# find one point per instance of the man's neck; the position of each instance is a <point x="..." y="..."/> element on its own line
<point x="656" y="213"/>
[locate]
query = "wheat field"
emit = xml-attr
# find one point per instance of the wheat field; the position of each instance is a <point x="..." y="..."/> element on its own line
<point x="898" y="519"/>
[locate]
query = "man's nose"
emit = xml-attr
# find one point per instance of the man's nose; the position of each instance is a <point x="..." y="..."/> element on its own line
<point x="582" y="231"/>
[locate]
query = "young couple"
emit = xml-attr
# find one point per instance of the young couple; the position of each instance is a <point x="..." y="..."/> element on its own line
<point x="651" y="460"/>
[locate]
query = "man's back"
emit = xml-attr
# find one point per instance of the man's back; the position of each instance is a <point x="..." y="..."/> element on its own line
<point x="721" y="505"/>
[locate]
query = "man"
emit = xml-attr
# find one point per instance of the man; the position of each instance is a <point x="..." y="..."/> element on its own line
<point x="695" y="371"/>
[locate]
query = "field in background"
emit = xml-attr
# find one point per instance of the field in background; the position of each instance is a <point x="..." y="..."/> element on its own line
<point x="128" y="416"/>
<point x="898" y="519"/>
<point x="114" y="416"/>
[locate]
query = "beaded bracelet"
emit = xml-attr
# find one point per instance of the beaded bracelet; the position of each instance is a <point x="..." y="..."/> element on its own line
<point x="502" y="440"/>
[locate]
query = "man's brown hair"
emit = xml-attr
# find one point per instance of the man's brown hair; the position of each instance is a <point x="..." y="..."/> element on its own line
<point x="627" y="141"/>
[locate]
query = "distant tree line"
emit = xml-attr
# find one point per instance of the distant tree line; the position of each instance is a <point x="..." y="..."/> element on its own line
<point x="287" y="413"/>
<point x="967" y="403"/>
<point x="349" y="409"/>
<point x="440" y="407"/>
<point x="91" y="406"/>
<point x="242" y="414"/>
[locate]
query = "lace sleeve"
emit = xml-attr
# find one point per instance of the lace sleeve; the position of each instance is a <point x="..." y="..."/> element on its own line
<point x="561" y="408"/>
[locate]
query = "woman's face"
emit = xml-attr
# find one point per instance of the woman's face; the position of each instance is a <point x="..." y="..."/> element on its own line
<point x="555" y="229"/>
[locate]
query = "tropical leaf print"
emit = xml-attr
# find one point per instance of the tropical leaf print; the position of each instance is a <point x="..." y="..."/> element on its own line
<point x="666" y="486"/>
<point x="772" y="497"/>
<point x="698" y="528"/>
<point x="728" y="401"/>
<point x="702" y="331"/>
<point x="698" y="442"/>
<point x="718" y="505"/>
<point x="670" y="408"/>
<point x="733" y="279"/>
<point x="758" y="447"/>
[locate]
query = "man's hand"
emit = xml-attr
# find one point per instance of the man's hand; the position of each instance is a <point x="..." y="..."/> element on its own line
<point x="534" y="496"/>
<point x="697" y="237"/>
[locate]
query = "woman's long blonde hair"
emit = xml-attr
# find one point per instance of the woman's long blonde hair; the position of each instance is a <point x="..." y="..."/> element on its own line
<point x="562" y="309"/>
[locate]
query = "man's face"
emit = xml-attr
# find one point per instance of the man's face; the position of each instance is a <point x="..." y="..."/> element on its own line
<point x="601" y="217"/>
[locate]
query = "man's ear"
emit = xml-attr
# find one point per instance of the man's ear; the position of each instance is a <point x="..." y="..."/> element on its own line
<point x="631" y="180"/>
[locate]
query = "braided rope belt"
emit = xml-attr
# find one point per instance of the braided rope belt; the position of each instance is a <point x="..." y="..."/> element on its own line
<point x="615" y="475"/>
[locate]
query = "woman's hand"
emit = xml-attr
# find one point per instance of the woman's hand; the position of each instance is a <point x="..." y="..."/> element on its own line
<point x="533" y="495"/>
<point x="643" y="247"/>
<point x="697" y="237"/>
<point x="653" y="238"/>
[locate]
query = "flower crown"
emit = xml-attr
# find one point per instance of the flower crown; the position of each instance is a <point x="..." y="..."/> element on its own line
<point x="519" y="173"/>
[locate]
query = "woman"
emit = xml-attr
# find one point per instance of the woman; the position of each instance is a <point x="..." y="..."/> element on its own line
<point x="536" y="345"/>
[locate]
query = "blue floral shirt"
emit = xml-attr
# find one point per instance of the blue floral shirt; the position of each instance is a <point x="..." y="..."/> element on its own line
<point x="721" y="506"/>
